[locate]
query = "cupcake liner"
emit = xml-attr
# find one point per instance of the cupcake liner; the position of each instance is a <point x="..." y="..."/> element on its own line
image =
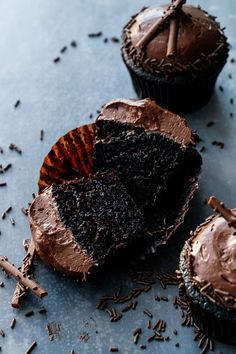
<point x="180" y="94"/>
<point x="69" y="158"/>
<point x="218" y="328"/>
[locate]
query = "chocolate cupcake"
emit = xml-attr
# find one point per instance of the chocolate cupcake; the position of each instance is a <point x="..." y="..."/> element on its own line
<point x="79" y="226"/>
<point x="151" y="150"/>
<point x="207" y="272"/>
<point x="174" y="55"/>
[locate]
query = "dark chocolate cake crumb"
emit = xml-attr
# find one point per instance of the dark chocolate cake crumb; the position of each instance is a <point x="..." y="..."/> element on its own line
<point x="230" y="76"/>
<point x="1" y="150"/>
<point x="105" y="40"/>
<point x="232" y="61"/>
<point x="221" y="88"/>
<point x="231" y="100"/>
<point x="95" y="34"/>
<point x="231" y="114"/>
<point x="63" y="49"/>
<point x="18" y="102"/>
<point x="73" y="44"/>
<point x="218" y="143"/>
<point x="56" y="60"/>
<point x="177" y="345"/>
<point x="210" y="124"/>
<point x="1" y="284"/>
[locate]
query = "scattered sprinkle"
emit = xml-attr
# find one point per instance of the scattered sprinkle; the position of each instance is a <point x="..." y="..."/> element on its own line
<point x="209" y="124"/>
<point x="31" y="348"/>
<point x="13" y="323"/>
<point x="29" y="313"/>
<point x="56" y="60"/>
<point x="73" y="44"/>
<point x="41" y="134"/>
<point x="95" y="35"/>
<point x="218" y="143"/>
<point x="15" y="148"/>
<point x="63" y="49"/>
<point x="18" y="102"/>
<point x="115" y="39"/>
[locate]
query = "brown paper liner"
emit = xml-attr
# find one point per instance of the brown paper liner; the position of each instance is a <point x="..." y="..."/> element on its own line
<point x="69" y="158"/>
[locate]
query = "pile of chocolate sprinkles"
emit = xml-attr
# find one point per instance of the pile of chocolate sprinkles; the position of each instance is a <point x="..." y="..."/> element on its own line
<point x="158" y="326"/>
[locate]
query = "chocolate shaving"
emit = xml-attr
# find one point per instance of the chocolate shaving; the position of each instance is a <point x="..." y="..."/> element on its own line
<point x="20" y="289"/>
<point x="22" y="277"/>
<point x="218" y="206"/>
<point x="175" y="6"/>
<point x="173" y="36"/>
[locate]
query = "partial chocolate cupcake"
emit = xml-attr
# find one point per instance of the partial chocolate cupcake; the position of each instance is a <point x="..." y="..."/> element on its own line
<point x="207" y="271"/>
<point x="174" y="54"/>
<point x="79" y="226"/>
<point x="152" y="151"/>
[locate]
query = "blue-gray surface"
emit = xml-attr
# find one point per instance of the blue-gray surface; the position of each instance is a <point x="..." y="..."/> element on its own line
<point x="57" y="98"/>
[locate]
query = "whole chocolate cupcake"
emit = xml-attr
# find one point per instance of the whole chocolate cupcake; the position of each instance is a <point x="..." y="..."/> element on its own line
<point x="174" y="55"/>
<point x="207" y="270"/>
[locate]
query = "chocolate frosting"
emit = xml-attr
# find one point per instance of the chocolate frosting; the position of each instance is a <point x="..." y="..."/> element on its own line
<point x="148" y="114"/>
<point x="199" y="39"/>
<point x="54" y="243"/>
<point x="213" y="261"/>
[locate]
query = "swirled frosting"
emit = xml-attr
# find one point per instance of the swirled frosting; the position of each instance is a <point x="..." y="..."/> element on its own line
<point x="214" y="255"/>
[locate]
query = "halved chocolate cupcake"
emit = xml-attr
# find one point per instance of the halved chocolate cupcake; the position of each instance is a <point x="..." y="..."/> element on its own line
<point x="149" y="149"/>
<point x="208" y="274"/>
<point x="174" y="54"/>
<point x="152" y="151"/>
<point x="78" y="226"/>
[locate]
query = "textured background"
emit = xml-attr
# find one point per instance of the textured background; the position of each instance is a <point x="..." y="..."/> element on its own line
<point x="57" y="98"/>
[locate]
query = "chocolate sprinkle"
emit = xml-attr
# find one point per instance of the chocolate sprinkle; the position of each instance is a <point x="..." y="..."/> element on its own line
<point x="95" y="35"/>
<point x="56" y="60"/>
<point x="114" y="349"/>
<point x="210" y="124"/>
<point x="63" y="49"/>
<point x="13" y="323"/>
<point x="41" y="134"/>
<point x="29" y="313"/>
<point x="14" y="147"/>
<point x="73" y="44"/>
<point x="218" y="143"/>
<point x="31" y="348"/>
<point x="18" y="102"/>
